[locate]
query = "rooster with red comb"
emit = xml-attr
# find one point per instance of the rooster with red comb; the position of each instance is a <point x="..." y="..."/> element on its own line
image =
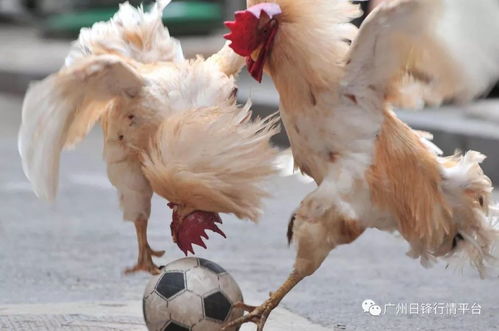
<point x="337" y="85"/>
<point x="171" y="127"/>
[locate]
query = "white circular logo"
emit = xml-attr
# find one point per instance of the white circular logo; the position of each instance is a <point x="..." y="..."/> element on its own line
<point x="367" y="304"/>
<point x="375" y="310"/>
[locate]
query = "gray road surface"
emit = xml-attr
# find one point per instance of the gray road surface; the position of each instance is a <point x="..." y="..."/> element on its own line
<point x="76" y="250"/>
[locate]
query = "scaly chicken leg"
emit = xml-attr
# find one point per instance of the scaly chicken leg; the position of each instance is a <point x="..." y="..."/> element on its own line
<point x="314" y="239"/>
<point x="259" y="315"/>
<point x="144" y="262"/>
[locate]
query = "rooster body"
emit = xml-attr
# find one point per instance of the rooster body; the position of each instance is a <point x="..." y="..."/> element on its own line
<point x="171" y="126"/>
<point x="336" y="87"/>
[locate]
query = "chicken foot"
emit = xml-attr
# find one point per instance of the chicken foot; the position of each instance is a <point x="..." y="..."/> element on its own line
<point x="314" y="242"/>
<point x="144" y="262"/>
<point x="259" y="315"/>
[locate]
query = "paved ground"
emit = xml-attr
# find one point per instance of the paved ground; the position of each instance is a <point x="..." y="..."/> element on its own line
<point x="113" y="315"/>
<point x="73" y="253"/>
<point x="61" y="265"/>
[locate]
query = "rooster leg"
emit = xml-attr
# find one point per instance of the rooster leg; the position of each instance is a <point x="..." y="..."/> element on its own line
<point x="314" y="242"/>
<point x="144" y="262"/>
<point x="312" y="250"/>
<point x="259" y="314"/>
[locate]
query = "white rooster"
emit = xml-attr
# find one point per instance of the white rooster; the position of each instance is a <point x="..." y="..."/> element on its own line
<point x="336" y="86"/>
<point x="171" y="126"/>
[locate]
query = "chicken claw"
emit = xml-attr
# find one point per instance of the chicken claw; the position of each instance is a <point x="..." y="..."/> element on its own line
<point x="145" y="262"/>
<point x="157" y="253"/>
<point x="257" y="315"/>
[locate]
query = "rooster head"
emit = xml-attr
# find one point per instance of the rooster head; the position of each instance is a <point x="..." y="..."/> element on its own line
<point x="252" y="34"/>
<point x="189" y="227"/>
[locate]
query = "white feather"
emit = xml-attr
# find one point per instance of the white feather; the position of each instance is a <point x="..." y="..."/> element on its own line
<point x="449" y="46"/>
<point x="132" y="33"/>
<point x="61" y="109"/>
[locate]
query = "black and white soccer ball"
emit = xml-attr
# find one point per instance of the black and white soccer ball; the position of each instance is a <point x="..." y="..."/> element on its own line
<point x="191" y="294"/>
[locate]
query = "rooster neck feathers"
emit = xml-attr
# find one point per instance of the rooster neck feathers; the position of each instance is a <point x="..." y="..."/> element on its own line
<point x="310" y="35"/>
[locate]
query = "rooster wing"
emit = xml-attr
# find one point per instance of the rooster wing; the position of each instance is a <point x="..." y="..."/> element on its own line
<point x="60" y="110"/>
<point x="417" y="51"/>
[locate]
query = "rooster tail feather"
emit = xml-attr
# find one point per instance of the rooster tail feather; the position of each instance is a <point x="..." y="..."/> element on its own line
<point x="213" y="159"/>
<point x="131" y="33"/>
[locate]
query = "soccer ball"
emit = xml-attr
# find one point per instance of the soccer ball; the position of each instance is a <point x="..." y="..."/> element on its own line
<point x="191" y="294"/>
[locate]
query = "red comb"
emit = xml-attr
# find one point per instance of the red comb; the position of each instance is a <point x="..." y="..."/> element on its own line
<point x="192" y="229"/>
<point x="243" y="36"/>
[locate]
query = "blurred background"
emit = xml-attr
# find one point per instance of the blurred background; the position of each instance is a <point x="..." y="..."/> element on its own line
<point x="76" y="249"/>
<point x="35" y="36"/>
<point x="64" y="18"/>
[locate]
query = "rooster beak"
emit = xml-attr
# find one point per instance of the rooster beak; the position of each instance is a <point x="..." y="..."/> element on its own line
<point x="252" y="35"/>
<point x="249" y="30"/>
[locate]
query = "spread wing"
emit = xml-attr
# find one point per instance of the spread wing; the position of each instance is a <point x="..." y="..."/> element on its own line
<point x="60" y="110"/>
<point x="416" y="51"/>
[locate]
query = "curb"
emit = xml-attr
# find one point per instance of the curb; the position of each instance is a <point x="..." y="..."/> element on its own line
<point x="115" y="316"/>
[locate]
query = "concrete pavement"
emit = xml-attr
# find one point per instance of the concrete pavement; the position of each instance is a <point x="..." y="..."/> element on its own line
<point x="43" y="284"/>
<point x="61" y="265"/>
<point x="70" y="255"/>
<point x="117" y="315"/>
